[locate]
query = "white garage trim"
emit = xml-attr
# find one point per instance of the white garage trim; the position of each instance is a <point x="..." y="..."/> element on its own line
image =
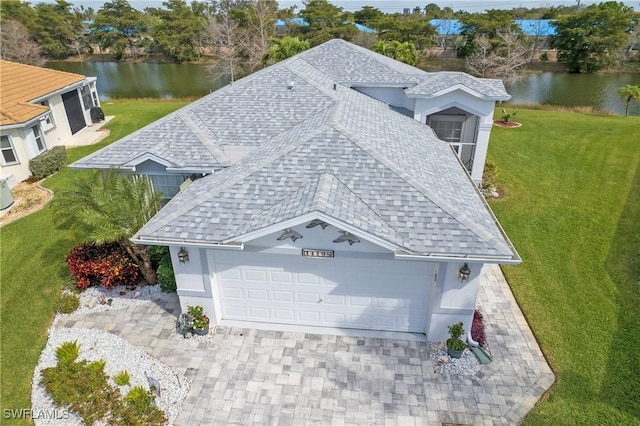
<point x="368" y="294"/>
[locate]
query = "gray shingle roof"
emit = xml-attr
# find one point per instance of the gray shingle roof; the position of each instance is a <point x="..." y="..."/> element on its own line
<point x="358" y="162"/>
<point x="437" y="82"/>
<point x="319" y="147"/>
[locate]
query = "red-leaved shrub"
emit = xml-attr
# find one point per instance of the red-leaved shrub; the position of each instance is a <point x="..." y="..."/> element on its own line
<point x="106" y="264"/>
<point x="477" y="329"/>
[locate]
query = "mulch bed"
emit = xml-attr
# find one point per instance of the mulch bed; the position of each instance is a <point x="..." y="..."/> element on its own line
<point x="510" y="124"/>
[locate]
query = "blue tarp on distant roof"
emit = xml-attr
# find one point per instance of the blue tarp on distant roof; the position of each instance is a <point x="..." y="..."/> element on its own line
<point x="303" y="23"/>
<point x="531" y="27"/>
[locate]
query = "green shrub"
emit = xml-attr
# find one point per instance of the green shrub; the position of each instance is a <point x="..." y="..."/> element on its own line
<point x="68" y="303"/>
<point x="68" y="352"/>
<point x="122" y="378"/>
<point x="139" y="409"/>
<point x="157" y="253"/>
<point x="83" y="387"/>
<point x="48" y="162"/>
<point x="490" y="175"/>
<point x="165" y="275"/>
<point x="544" y="57"/>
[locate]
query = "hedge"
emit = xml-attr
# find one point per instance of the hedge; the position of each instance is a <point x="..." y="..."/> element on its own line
<point x="48" y="162"/>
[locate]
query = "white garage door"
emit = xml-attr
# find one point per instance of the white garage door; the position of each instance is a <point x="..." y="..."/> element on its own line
<point x="350" y="293"/>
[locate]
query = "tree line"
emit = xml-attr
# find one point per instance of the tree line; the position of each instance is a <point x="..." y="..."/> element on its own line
<point x="242" y="34"/>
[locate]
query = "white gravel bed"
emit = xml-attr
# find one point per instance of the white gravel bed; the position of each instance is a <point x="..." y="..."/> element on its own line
<point x="119" y="355"/>
<point x="99" y="299"/>
<point x="466" y="365"/>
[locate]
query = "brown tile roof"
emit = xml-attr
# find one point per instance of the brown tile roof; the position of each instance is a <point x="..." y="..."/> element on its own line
<point x="21" y="83"/>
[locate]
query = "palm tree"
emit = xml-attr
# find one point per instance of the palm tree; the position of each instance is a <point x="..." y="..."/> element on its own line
<point x="629" y="92"/>
<point x="283" y="48"/>
<point x="109" y="206"/>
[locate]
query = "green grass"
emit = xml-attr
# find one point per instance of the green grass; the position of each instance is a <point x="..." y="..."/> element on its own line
<point x="572" y="210"/>
<point x="33" y="271"/>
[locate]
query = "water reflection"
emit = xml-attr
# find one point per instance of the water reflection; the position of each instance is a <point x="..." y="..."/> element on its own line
<point x="144" y="80"/>
<point x="597" y="90"/>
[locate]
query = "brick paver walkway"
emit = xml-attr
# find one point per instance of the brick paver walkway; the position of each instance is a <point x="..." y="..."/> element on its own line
<point x="252" y="377"/>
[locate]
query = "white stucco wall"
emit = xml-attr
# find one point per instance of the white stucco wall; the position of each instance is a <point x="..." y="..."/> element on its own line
<point x="193" y="281"/>
<point x="454" y="300"/>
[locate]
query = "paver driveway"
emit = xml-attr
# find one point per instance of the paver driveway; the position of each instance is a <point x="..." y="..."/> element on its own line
<point x="249" y="377"/>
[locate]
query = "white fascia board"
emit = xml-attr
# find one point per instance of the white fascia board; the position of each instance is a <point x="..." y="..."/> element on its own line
<point x="28" y="123"/>
<point x="147" y="157"/>
<point x="430" y="257"/>
<point x="185" y="242"/>
<point x="452" y="89"/>
<point x="203" y="171"/>
<point x="101" y="166"/>
<point x="308" y="217"/>
<point x="64" y="89"/>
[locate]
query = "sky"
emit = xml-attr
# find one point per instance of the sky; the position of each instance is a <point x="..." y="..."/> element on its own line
<point x="389" y="6"/>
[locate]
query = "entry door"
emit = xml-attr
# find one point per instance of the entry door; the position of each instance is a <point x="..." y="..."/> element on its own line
<point x="347" y="293"/>
<point x="73" y="108"/>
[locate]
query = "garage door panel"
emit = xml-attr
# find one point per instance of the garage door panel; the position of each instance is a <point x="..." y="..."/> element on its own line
<point x="281" y="277"/>
<point x="285" y="315"/>
<point x="304" y="297"/>
<point x="282" y="296"/>
<point x="353" y="293"/>
<point x="257" y="295"/>
<point x="309" y="316"/>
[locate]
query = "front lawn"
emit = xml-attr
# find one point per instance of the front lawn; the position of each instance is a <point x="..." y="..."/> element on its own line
<point x="572" y="210"/>
<point x="33" y="271"/>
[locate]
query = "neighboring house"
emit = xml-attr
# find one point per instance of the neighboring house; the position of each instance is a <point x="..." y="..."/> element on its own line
<point x="39" y="109"/>
<point x="322" y="203"/>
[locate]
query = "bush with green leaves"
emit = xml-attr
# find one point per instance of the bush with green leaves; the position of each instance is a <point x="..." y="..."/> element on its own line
<point x="83" y="387"/>
<point x="166" y="276"/>
<point x="68" y="303"/>
<point x="122" y="378"/>
<point x="48" y="162"/>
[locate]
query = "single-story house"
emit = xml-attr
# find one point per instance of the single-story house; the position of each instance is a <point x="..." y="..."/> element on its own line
<point x="39" y="108"/>
<point x="313" y="193"/>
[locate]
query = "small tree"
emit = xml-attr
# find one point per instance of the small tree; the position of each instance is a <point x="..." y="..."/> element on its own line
<point x="110" y="207"/>
<point x="283" y="48"/>
<point x="629" y="93"/>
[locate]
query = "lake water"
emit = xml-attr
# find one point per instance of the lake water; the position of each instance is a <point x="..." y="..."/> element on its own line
<point x="145" y="80"/>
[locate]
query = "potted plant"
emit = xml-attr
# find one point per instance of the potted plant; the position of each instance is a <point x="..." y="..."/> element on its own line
<point x="199" y="320"/>
<point x="455" y="345"/>
<point x="507" y="116"/>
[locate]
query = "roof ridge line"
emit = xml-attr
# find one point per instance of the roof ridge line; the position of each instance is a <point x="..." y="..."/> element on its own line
<point x="455" y="213"/>
<point x="332" y="177"/>
<point x="202" y="136"/>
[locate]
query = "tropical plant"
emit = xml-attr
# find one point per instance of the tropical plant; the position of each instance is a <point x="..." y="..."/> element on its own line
<point x="109" y="206"/>
<point x="283" y="48"/>
<point x="629" y="93"/>
<point x="403" y="52"/>
<point x="199" y="319"/>
<point x="507" y="116"/>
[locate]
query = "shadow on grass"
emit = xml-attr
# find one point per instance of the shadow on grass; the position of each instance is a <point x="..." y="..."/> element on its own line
<point x="621" y="382"/>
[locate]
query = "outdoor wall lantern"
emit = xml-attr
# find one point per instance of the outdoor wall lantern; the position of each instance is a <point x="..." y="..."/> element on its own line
<point x="183" y="255"/>
<point x="464" y="272"/>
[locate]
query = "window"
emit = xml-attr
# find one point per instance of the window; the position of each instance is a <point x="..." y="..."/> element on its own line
<point x="169" y="185"/>
<point x="8" y="153"/>
<point x="37" y="134"/>
<point x="450" y="128"/>
<point x="86" y="97"/>
<point x="47" y="120"/>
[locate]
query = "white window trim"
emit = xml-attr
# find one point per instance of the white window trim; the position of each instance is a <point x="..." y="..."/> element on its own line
<point x="35" y="139"/>
<point x="13" y="149"/>
<point x="47" y="122"/>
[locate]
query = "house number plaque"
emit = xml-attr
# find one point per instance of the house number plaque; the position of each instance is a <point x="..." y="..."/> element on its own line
<point x="317" y="253"/>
